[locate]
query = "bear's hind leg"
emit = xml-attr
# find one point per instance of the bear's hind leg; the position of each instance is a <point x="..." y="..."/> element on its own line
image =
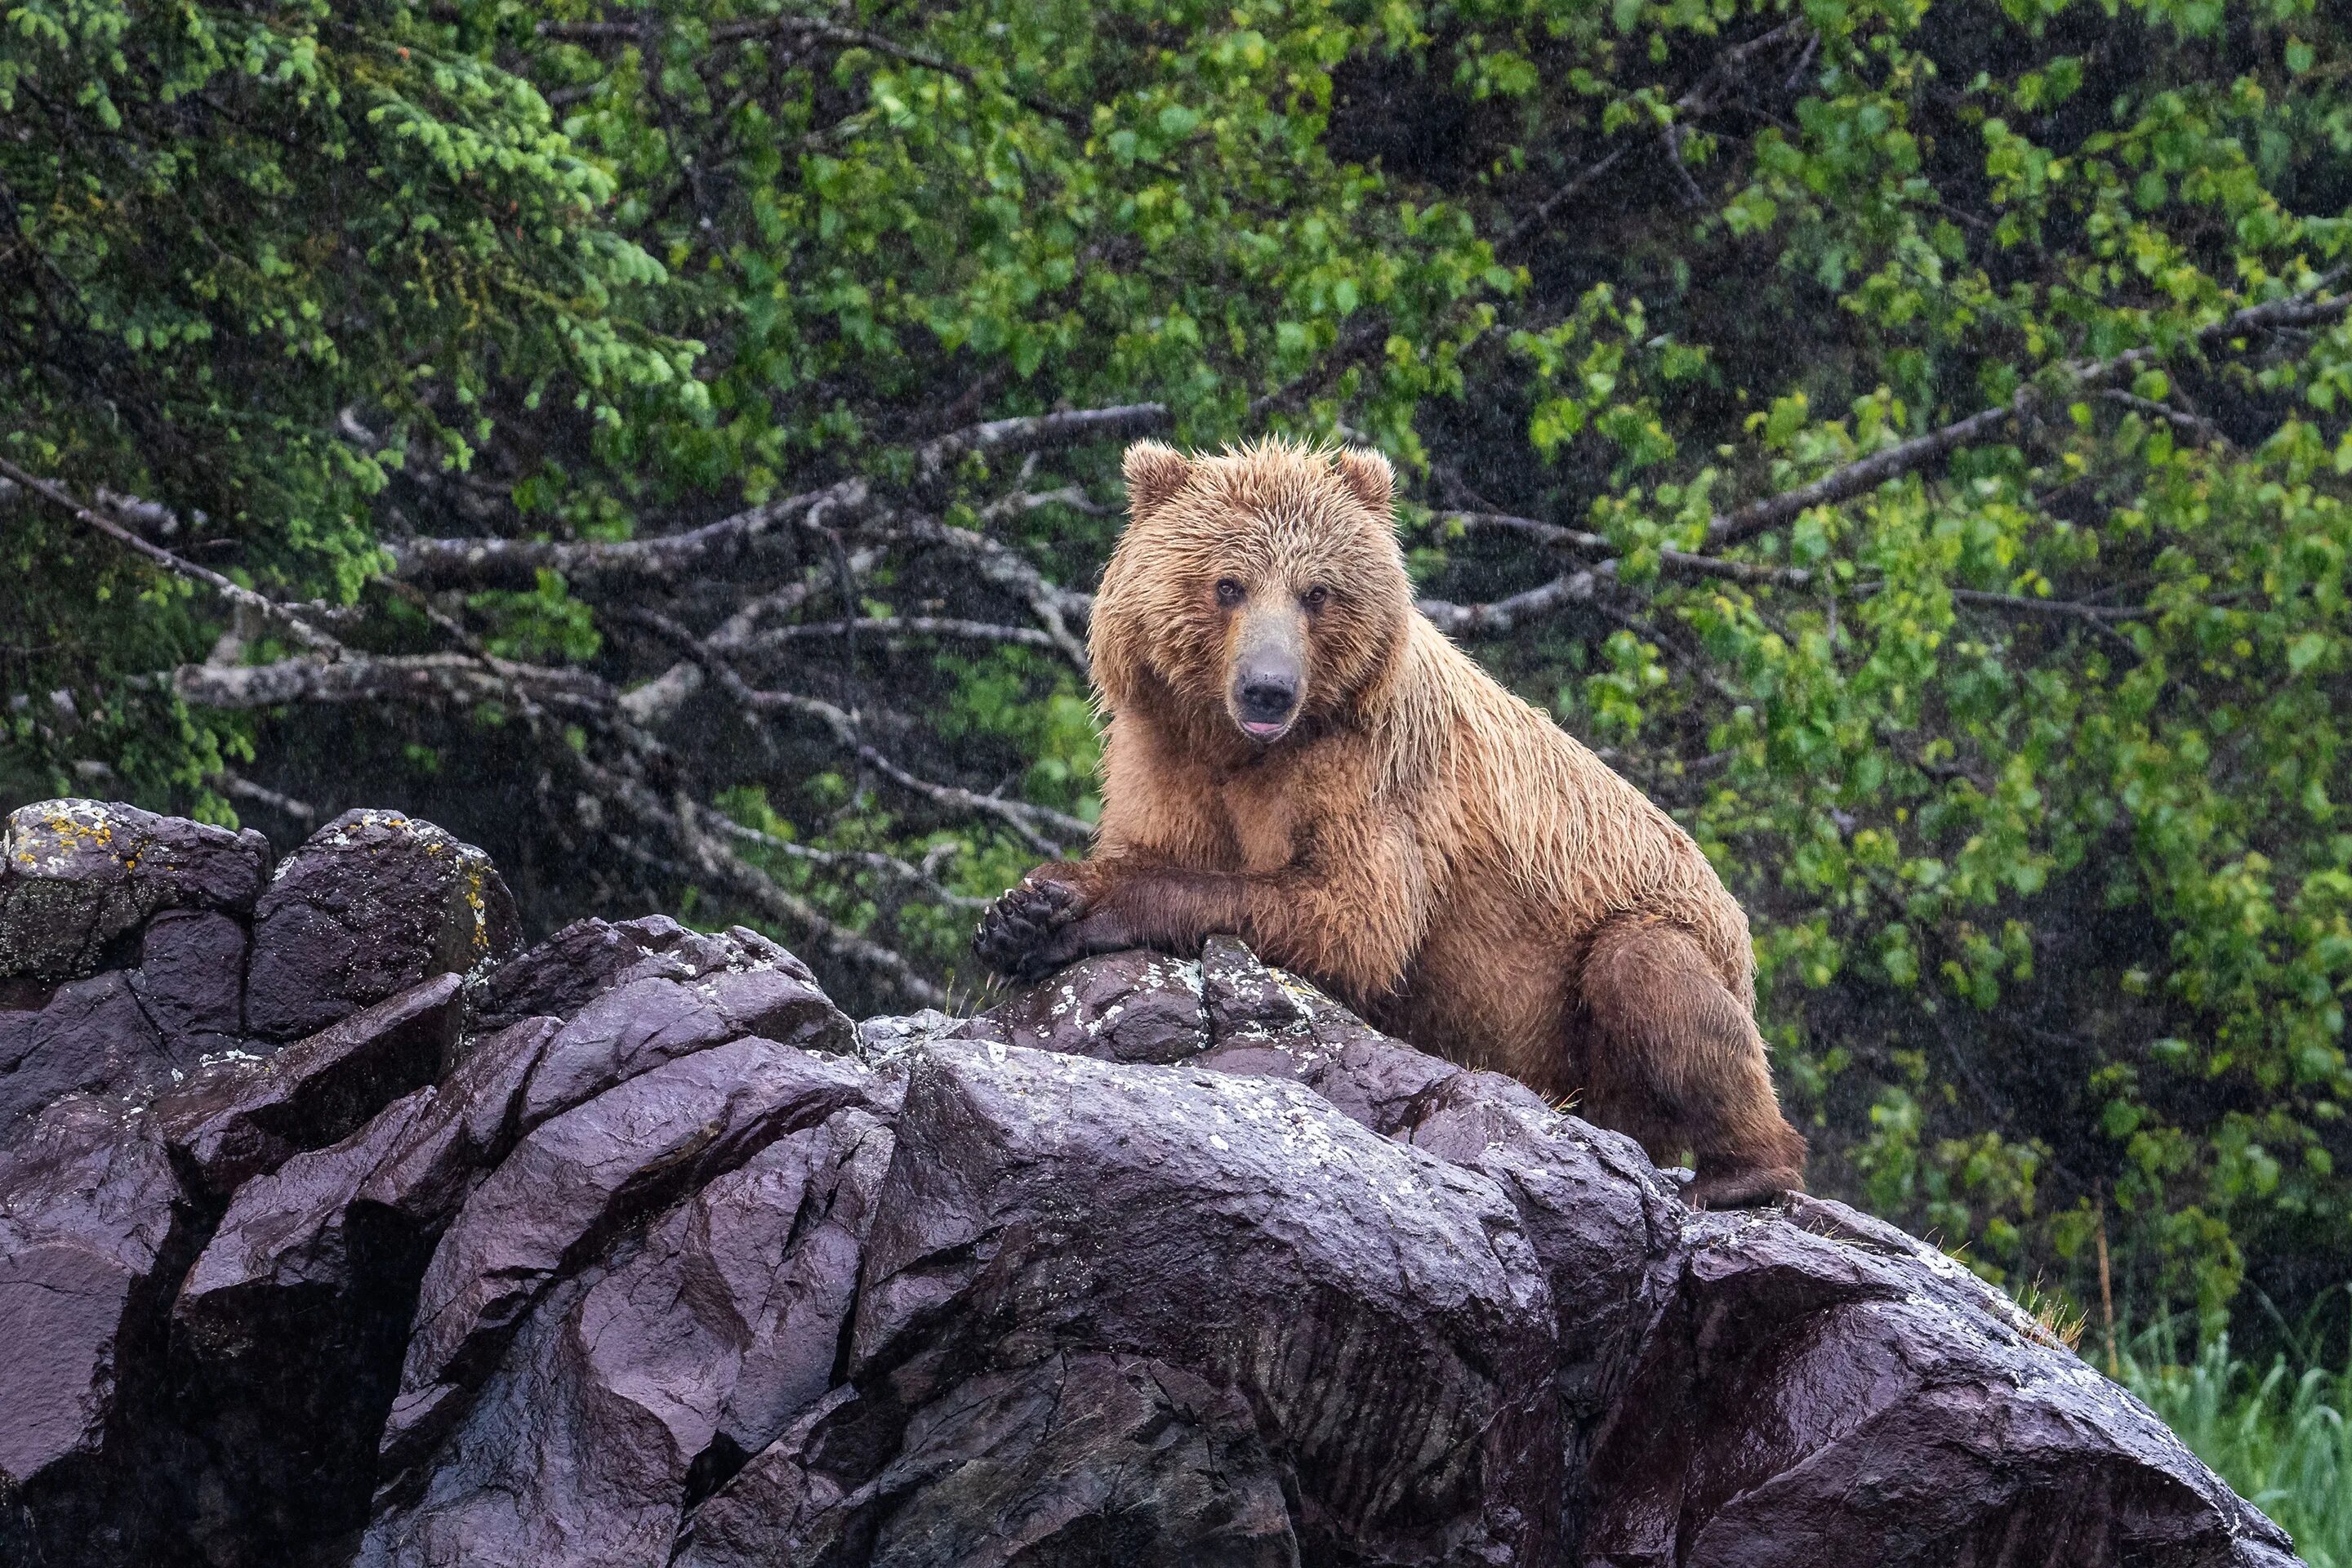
<point x="1674" y="1060"/>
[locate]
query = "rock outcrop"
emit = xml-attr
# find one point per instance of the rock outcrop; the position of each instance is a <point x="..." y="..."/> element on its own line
<point x="333" y="1231"/>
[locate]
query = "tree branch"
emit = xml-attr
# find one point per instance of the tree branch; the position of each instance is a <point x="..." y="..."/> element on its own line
<point x="696" y="552"/>
<point x="363" y="678"/>
<point x="244" y="598"/>
<point x="926" y="625"/>
<point x="1023" y="818"/>
<point x="1038" y="432"/>
<point x="837" y="859"/>
<point x="1703" y="98"/>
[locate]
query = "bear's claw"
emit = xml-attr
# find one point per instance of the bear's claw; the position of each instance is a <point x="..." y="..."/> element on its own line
<point x="1014" y="934"/>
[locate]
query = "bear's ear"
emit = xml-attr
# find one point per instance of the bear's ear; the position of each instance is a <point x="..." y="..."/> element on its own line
<point x="1367" y="477"/>
<point x="1153" y="473"/>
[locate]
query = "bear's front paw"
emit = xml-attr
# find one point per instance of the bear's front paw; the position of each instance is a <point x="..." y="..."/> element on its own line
<point x="1017" y="935"/>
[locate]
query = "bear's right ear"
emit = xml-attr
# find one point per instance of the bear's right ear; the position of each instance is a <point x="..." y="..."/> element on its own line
<point x="1154" y="472"/>
<point x="1367" y="474"/>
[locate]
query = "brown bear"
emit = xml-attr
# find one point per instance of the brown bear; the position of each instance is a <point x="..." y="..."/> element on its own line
<point x="1298" y="757"/>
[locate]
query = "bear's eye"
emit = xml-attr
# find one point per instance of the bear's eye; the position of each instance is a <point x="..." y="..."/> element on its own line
<point x="1314" y="598"/>
<point x="1228" y="592"/>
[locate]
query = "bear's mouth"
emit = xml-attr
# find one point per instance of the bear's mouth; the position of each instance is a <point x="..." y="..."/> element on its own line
<point x="1265" y="729"/>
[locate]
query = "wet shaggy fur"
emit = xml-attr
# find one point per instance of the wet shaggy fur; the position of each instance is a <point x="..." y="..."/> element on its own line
<point x="1435" y="851"/>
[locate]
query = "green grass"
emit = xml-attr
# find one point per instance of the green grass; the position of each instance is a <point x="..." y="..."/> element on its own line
<point x="2281" y="1438"/>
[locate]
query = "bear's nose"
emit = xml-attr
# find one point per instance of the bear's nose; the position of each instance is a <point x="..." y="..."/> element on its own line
<point x="1268" y="698"/>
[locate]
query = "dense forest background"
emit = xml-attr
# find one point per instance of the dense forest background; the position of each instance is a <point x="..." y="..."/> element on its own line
<point x="671" y="446"/>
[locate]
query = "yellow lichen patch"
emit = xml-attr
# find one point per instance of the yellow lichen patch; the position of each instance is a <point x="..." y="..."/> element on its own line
<point x="59" y="832"/>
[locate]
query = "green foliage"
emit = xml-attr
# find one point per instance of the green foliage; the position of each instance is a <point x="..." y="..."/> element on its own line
<point x="227" y="230"/>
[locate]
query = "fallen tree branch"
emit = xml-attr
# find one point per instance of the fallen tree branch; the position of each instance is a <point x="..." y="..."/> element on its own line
<point x="1054" y="606"/>
<point x="237" y="787"/>
<point x="714" y="863"/>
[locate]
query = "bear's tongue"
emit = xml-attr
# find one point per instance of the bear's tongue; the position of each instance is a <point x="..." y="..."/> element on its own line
<point x="1264" y="731"/>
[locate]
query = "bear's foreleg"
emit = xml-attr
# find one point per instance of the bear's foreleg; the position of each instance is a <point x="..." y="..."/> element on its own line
<point x="1674" y="1060"/>
<point x="1354" y="926"/>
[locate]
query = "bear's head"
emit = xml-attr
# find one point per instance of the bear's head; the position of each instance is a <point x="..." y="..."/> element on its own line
<point x="1259" y="593"/>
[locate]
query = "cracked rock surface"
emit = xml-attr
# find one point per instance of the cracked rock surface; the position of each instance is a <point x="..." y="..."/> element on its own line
<point x="334" y="1231"/>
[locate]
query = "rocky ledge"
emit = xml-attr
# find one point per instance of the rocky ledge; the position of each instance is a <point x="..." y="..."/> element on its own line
<point x="334" y="1230"/>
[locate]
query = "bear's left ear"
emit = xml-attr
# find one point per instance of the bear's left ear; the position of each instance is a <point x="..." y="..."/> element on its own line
<point x="1367" y="477"/>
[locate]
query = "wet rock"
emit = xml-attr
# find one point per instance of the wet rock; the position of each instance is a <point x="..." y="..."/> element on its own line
<point x="461" y="1135"/>
<point x="1379" y="1308"/>
<point x="128" y="1031"/>
<point x="286" y="1339"/>
<point x="1604" y="1226"/>
<point x="325" y="1253"/>
<point x="1822" y="1388"/>
<point x="92" y="1034"/>
<point x="369" y="906"/>
<point x="560" y="976"/>
<point x="626" y="1386"/>
<point x="669" y="1005"/>
<point x="1122" y="1008"/>
<point x="243" y="1116"/>
<point x="573" y="1183"/>
<point x="75" y="875"/>
<point x="1270" y="1024"/>
<point x="191" y="982"/>
<point x="1076" y="1459"/>
<point x="94" y="1233"/>
<point x="883" y="1040"/>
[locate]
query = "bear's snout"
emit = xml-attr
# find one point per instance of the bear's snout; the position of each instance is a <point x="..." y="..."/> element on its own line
<point x="1269" y="672"/>
<point x="1265" y="699"/>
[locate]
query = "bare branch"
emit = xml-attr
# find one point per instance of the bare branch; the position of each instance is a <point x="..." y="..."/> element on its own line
<point x="738" y="876"/>
<point x="1053" y="604"/>
<point x="1037" y="432"/>
<point x="848" y="860"/>
<point x="1570" y="588"/>
<point x="2304" y="308"/>
<point x="2049" y="609"/>
<point x="364" y="678"/>
<point x="1503" y="614"/>
<point x="926" y="625"/>
<point x="1704" y="98"/>
<point x="682" y="820"/>
<point x="1023" y="818"/>
<point x="697" y="552"/>
<point x="283" y="615"/>
<point x="240" y="788"/>
<point x="1858" y="478"/>
<point x="2205" y="430"/>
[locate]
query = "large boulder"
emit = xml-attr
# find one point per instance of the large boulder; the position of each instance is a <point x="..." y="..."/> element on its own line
<point x="78" y="874"/>
<point x="390" y="1248"/>
<point x="370" y="905"/>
